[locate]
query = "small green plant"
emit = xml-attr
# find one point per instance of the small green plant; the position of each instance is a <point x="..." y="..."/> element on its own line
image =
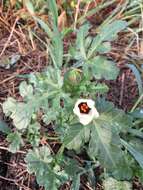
<point x="109" y="137"/>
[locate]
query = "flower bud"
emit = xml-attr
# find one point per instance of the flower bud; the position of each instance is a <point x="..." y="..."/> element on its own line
<point x="72" y="79"/>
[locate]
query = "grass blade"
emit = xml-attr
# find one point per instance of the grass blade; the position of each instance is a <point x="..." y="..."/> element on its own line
<point x="137" y="155"/>
<point x="138" y="77"/>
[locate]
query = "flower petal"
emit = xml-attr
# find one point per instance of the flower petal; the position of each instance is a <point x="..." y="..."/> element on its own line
<point x="90" y="103"/>
<point x="86" y="118"/>
<point x="95" y="112"/>
<point x="85" y="121"/>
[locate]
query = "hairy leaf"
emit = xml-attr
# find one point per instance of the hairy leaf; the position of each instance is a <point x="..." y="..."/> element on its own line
<point x="76" y="136"/>
<point x="33" y="134"/>
<point x="54" y="11"/>
<point x="106" y="34"/>
<point x="40" y="162"/>
<point x="138" y="77"/>
<point x="104" y="47"/>
<point x="138" y="113"/>
<point x="19" y="112"/>
<point x="113" y="184"/>
<point x="80" y="42"/>
<point x="29" y="6"/>
<point x="9" y="106"/>
<point x="15" y="141"/>
<point x="25" y="89"/>
<point x="44" y="26"/>
<point x="105" y="144"/>
<point x="102" y="145"/>
<point x="135" y="153"/>
<point x="102" y="68"/>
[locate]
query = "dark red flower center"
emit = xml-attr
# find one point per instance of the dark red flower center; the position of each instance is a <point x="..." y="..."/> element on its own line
<point x="83" y="107"/>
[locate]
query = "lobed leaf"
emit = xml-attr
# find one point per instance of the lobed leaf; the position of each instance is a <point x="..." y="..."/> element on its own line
<point x="15" y="141"/>
<point x="102" y="68"/>
<point x="113" y="184"/>
<point x="106" y="33"/>
<point x="104" y="47"/>
<point x="102" y="145"/>
<point x="76" y="136"/>
<point x="40" y="162"/>
<point x="25" y="89"/>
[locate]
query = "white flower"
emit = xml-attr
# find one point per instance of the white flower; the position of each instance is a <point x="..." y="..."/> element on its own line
<point x="85" y="110"/>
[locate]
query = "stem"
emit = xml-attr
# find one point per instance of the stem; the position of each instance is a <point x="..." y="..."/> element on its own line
<point x="61" y="150"/>
<point x="52" y="138"/>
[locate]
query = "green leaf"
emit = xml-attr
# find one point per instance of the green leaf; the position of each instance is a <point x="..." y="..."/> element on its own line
<point x="111" y="29"/>
<point x="20" y="112"/>
<point x="54" y="11"/>
<point x="103" y="105"/>
<point x="139" y="173"/>
<point x="40" y="162"/>
<point x="124" y="170"/>
<point x="45" y="27"/>
<point x="137" y="76"/>
<point x="33" y="134"/>
<point x="72" y="167"/>
<point x="4" y="127"/>
<point x="104" y="47"/>
<point x="87" y="41"/>
<point x="105" y="142"/>
<point x="29" y="6"/>
<point x="54" y="78"/>
<point x="48" y="81"/>
<point x="76" y="183"/>
<point x="101" y="88"/>
<point x="80" y="42"/>
<point x="106" y="33"/>
<point x="47" y="86"/>
<point x="76" y="136"/>
<point x="104" y="145"/>
<point x="36" y="156"/>
<point x="49" y="116"/>
<point x="136" y="133"/>
<point x="135" y="153"/>
<point x="116" y="119"/>
<point x="138" y="113"/>
<point x="22" y="116"/>
<point x="113" y="184"/>
<point x="15" y="141"/>
<point x="103" y="68"/>
<point x="25" y="89"/>
<point x="9" y="106"/>
<point x="74" y="171"/>
<point x="57" y="45"/>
